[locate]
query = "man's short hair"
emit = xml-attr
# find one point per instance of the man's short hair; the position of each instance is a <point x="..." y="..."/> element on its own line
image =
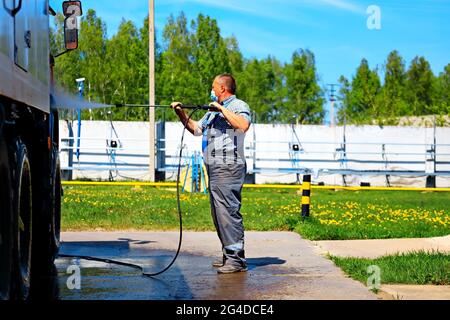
<point x="228" y="82"/>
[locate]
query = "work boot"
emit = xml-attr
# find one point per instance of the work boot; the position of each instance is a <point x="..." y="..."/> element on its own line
<point x="230" y="268"/>
<point x="220" y="262"/>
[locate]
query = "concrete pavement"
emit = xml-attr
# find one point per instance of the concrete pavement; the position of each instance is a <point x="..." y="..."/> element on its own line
<point x="282" y="265"/>
<point x="372" y="249"/>
<point x="415" y="292"/>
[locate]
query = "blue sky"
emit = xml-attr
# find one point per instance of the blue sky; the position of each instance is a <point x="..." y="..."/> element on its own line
<point x="335" y="30"/>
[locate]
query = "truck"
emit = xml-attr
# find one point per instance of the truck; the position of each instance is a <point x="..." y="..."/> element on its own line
<point x="30" y="178"/>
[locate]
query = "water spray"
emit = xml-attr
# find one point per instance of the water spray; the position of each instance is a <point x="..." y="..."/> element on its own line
<point x="194" y="109"/>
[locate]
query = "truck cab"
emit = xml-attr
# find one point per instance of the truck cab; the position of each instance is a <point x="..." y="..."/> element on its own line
<point x="30" y="180"/>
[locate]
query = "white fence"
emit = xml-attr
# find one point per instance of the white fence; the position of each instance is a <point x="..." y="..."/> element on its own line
<point x="396" y="156"/>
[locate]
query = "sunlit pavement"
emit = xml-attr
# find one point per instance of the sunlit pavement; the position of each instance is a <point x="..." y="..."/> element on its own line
<point x="281" y="266"/>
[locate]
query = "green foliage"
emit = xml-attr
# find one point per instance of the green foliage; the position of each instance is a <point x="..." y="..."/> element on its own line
<point x="413" y="92"/>
<point x="235" y="58"/>
<point x="390" y="102"/>
<point x="129" y="74"/>
<point x="362" y="97"/>
<point x="443" y="91"/>
<point x="210" y="54"/>
<point x="258" y="86"/>
<point x="190" y="56"/>
<point x="193" y="53"/>
<point x="420" y="268"/>
<point x="420" y="87"/>
<point x="304" y="99"/>
<point x="176" y="59"/>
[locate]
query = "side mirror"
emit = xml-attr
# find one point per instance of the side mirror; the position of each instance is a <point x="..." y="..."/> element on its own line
<point x="72" y="10"/>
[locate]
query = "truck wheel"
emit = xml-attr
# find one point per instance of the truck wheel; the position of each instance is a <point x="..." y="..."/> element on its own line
<point x="46" y="236"/>
<point x="22" y="214"/>
<point x="6" y="238"/>
<point x="56" y="210"/>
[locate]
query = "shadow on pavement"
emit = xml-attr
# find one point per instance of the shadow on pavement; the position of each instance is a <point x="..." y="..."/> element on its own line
<point x="104" y="281"/>
<point x="254" y="263"/>
<point x="136" y="241"/>
<point x="191" y="277"/>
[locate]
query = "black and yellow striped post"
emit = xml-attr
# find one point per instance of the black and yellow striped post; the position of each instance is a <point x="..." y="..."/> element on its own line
<point x="306" y="195"/>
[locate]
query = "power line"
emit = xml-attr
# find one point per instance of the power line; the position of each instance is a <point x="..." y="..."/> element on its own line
<point x="332" y="102"/>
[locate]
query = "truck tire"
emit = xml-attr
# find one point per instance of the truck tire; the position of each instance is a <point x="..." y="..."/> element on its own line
<point x="55" y="232"/>
<point x="45" y="275"/>
<point x="6" y="231"/>
<point x="22" y="223"/>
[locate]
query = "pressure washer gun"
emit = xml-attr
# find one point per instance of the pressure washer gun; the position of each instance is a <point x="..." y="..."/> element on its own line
<point x="191" y="107"/>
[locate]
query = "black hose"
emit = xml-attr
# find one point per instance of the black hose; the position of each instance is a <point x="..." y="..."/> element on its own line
<point x="192" y="107"/>
<point x="180" y="215"/>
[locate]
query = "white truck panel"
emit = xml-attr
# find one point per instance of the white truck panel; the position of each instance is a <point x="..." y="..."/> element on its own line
<point x="25" y="75"/>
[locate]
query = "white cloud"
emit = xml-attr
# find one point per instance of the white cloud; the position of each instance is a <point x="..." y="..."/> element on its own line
<point x="256" y="8"/>
<point x="275" y="9"/>
<point x="341" y="4"/>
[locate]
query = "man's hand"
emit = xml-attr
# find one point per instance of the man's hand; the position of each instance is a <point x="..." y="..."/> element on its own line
<point x="215" y="107"/>
<point x="190" y="124"/>
<point x="238" y="122"/>
<point x="177" y="107"/>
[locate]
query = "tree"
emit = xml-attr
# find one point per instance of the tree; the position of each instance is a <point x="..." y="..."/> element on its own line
<point x="444" y="91"/>
<point x="191" y="55"/>
<point x="359" y="99"/>
<point x="304" y="99"/>
<point x="258" y="87"/>
<point x="210" y="55"/>
<point x="391" y="100"/>
<point x="129" y="72"/>
<point x="176" y="79"/>
<point x="420" y="87"/>
<point x="94" y="65"/>
<point x="235" y="58"/>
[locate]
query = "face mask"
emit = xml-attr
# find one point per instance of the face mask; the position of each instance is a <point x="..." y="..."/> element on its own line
<point x="214" y="97"/>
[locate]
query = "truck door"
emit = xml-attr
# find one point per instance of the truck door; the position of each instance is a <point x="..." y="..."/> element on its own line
<point x="6" y="29"/>
<point x="22" y="33"/>
<point x="31" y="52"/>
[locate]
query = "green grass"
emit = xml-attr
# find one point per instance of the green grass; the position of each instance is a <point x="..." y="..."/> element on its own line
<point x="377" y="215"/>
<point x="418" y="268"/>
<point x="334" y="215"/>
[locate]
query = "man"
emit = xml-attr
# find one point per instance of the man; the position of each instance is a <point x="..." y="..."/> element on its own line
<point x="223" y="129"/>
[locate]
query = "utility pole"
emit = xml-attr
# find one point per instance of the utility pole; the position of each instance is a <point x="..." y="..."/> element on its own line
<point x="80" y="82"/>
<point x="151" y="91"/>
<point x="332" y="102"/>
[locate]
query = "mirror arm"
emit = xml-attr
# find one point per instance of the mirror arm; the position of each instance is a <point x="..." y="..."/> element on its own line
<point x="62" y="53"/>
<point x="51" y="11"/>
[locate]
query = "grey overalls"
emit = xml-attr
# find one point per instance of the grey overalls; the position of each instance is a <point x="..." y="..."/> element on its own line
<point x="223" y="149"/>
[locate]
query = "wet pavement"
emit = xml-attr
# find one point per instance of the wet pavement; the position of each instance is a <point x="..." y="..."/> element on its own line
<point x="281" y="266"/>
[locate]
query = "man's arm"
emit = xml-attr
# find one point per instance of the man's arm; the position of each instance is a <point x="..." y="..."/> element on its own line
<point x="191" y="125"/>
<point x="236" y="121"/>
